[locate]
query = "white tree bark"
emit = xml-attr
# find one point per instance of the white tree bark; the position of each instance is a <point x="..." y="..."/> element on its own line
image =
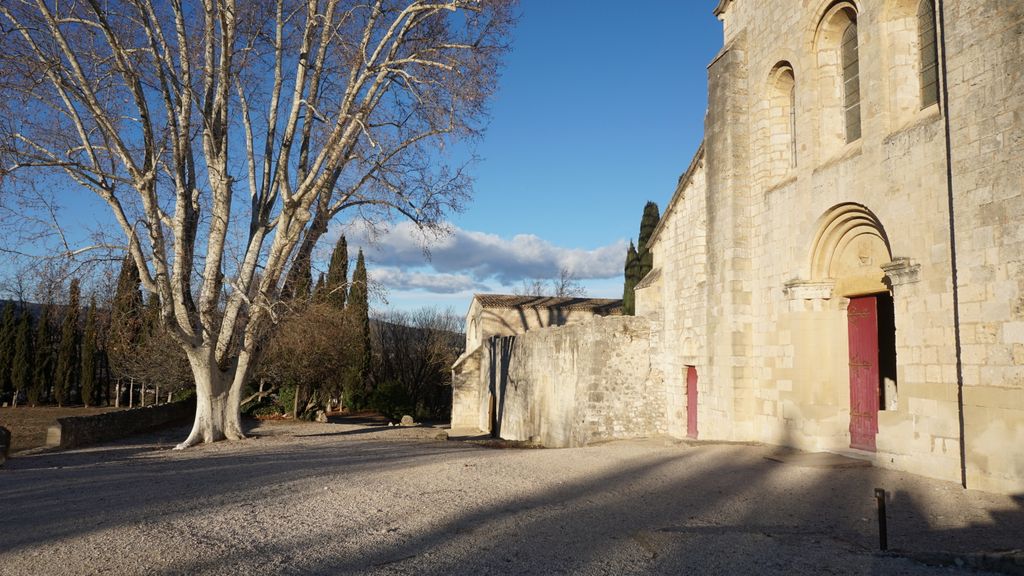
<point x="139" y="102"/>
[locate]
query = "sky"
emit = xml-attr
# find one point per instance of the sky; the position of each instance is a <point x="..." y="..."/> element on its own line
<point x="600" y="109"/>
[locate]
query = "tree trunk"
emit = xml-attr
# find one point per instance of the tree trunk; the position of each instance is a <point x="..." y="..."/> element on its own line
<point x="218" y="396"/>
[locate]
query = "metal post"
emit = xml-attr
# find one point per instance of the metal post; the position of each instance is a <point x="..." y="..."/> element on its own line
<point x="883" y="536"/>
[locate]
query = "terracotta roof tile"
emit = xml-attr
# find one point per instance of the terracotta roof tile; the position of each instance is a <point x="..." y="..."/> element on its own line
<point x="601" y="306"/>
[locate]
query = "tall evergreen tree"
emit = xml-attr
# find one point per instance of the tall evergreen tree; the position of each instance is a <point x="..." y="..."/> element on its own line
<point x="21" y="365"/>
<point x="358" y="321"/>
<point x="299" y="282"/>
<point x="88" y="374"/>
<point x="42" y="374"/>
<point x="648" y="223"/>
<point x="125" y="317"/>
<point x="8" y="335"/>
<point x="66" y="373"/>
<point x="630" y="272"/>
<point x="639" y="260"/>
<point x="337" y="274"/>
<point x="320" y="292"/>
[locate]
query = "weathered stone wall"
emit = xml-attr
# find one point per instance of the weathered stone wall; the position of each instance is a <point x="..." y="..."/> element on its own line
<point x="572" y="385"/>
<point x="5" y="444"/>
<point x="985" y="44"/>
<point x="676" y="303"/>
<point x="75" y="431"/>
<point x="466" y="387"/>
<point x="749" y="296"/>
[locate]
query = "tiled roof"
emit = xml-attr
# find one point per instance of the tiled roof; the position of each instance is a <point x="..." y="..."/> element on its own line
<point x="602" y="306"/>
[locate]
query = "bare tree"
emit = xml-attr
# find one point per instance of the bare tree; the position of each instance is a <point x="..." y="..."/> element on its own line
<point x="171" y="111"/>
<point x="308" y="351"/>
<point x="413" y="355"/>
<point x="566" y="285"/>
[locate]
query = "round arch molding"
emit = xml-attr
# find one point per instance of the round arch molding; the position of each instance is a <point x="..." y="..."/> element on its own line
<point x="849" y="249"/>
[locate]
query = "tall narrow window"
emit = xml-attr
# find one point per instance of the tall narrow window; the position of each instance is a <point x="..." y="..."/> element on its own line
<point x="792" y="126"/>
<point x="929" y="53"/>
<point x="851" y="82"/>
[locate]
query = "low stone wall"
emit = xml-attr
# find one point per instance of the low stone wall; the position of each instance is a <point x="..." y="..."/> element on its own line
<point x="573" y="385"/>
<point x="75" y="431"/>
<point x="5" y="444"/>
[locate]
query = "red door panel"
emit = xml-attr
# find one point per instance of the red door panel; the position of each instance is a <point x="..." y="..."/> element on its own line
<point x="691" y="401"/>
<point x="862" y="316"/>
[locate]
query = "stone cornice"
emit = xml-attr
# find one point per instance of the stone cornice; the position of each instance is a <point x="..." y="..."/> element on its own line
<point x="809" y="290"/>
<point x="902" y="271"/>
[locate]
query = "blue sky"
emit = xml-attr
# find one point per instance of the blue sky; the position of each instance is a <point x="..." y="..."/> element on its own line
<point x="600" y="109"/>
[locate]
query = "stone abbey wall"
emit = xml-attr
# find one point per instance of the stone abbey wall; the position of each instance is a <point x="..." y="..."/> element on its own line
<point x="576" y="384"/>
<point x="784" y="220"/>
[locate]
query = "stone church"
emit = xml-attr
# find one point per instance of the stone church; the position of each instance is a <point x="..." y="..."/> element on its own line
<point x="841" y="267"/>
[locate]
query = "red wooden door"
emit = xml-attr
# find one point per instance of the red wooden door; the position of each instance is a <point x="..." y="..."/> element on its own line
<point x="862" y="316"/>
<point x="691" y="401"/>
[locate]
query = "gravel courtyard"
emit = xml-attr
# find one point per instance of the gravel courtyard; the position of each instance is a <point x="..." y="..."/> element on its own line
<point x="350" y="499"/>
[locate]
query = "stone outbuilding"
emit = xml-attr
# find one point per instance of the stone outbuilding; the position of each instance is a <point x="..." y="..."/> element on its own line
<point x="557" y="370"/>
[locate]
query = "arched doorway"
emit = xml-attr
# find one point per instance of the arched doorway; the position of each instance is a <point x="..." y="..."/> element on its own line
<point x="849" y="251"/>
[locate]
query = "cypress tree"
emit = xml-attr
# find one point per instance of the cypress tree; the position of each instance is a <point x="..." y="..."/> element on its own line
<point x="358" y="315"/>
<point x="299" y="281"/>
<point x="337" y="274"/>
<point x="21" y="365"/>
<point x="125" y="316"/>
<point x="320" y="292"/>
<point x="8" y="334"/>
<point x="66" y="374"/>
<point x="42" y="375"/>
<point x="88" y="378"/>
<point x="648" y="223"/>
<point x="630" y="271"/>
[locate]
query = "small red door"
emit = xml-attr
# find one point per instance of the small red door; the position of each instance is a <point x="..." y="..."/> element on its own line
<point x="862" y="316"/>
<point x="691" y="401"/>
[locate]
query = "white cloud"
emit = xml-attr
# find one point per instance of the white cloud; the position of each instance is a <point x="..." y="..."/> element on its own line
<point x="398" y="279"/>
<point x="466" y="258"/>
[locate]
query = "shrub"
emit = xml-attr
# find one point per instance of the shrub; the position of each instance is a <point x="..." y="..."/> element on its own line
<point x="391" y="399"/>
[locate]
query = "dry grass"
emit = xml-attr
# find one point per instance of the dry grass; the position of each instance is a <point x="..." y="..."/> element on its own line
<point x="28" y="425"/>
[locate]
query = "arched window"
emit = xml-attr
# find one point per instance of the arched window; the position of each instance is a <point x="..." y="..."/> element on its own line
<point x="851" y="82"/>
<point x="781" y="120"/>
<point x="929" y="53"/>
<point x="792" y="126"/>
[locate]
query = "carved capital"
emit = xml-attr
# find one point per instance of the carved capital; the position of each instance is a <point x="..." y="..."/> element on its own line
<point x="901" y="271"/>
<point x="808" y="290"/>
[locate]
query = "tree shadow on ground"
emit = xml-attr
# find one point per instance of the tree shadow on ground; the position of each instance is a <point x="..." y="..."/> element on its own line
<point x="640" y="509"/>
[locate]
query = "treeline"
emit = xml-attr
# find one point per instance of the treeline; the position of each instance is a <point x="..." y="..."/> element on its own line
<point x="47" y="355"/>
<point x="327" y="354"/>
<point x="110" y="352"/>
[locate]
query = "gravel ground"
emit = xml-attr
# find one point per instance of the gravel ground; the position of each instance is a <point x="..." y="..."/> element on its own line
<point x="350" y="499"/>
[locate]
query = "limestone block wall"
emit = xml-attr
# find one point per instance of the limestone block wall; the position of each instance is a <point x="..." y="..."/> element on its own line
<point x="746" y="294"/>
<point x="726" y="406"/>
<point x="572" y="385"/>
<point x="986" y="113"/>
<point x="794" y="385"/>
<point x="676" y="304"/>
<point x="467" y="386"/>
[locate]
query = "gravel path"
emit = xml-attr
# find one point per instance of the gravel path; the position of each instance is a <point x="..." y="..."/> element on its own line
<point x="346" y="499"/>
